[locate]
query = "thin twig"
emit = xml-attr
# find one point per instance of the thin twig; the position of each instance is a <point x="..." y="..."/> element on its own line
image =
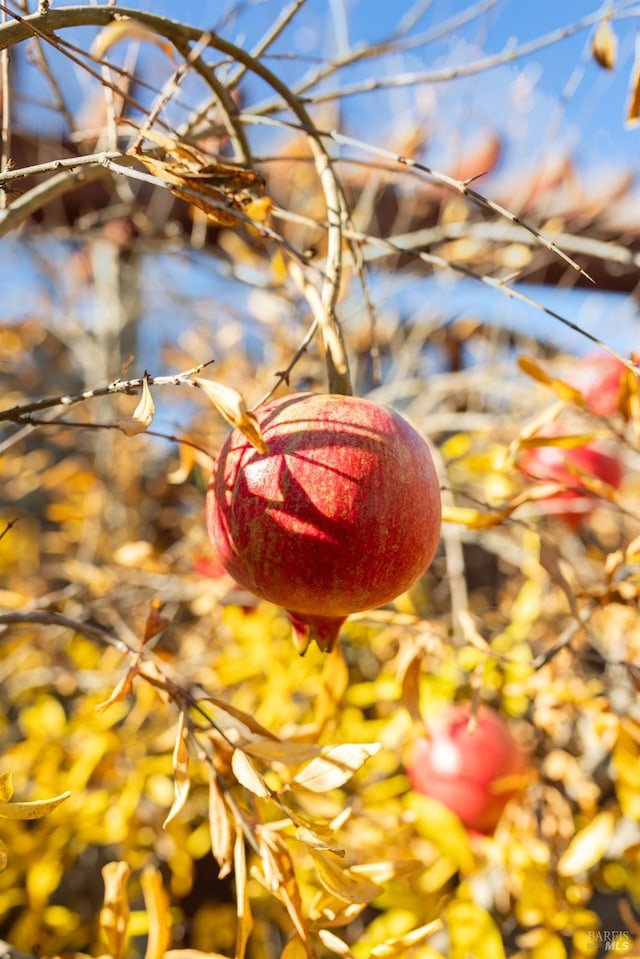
<point x="16" y="414"/>
<point x="51" y="618"/>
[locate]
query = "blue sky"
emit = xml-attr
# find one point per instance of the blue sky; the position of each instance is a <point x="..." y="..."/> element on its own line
<point x="588" y="119"/>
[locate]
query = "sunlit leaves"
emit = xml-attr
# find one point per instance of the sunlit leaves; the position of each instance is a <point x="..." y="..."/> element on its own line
<point x="231" y="405"/>
<point x="605" y="44"/>
<point x="34" y="809"/>
<point x="114" y="916"/>
<point x="588" y="846"/>
<point x="335" y="766"/>
<point x="181" y="777"/>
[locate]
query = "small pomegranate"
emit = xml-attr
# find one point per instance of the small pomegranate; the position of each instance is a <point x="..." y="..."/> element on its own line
<point x="473" y="766"/>
<point x="340" y="515"/>
<point x="554" y="464"/>
<point x="598" y="376"/>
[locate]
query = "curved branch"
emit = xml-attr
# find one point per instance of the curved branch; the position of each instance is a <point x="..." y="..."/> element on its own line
<point x="46" y="22"/>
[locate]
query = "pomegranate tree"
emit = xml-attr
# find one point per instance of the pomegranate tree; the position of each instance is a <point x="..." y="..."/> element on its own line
<point x="340" y="515"/>
<point x="473" y="765"/>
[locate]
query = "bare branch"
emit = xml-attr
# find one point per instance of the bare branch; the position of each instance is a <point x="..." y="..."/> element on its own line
<point x="17" y="414"/>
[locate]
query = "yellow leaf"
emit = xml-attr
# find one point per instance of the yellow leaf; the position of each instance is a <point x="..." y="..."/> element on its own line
<point x="278" y="267"/>
<point x="282" y="751"/>
<point x="157" y="905"/>
<point x="605" y="45"/>
<point x="294" y="949"/>
<point x="243" y="907"/>
<point x="398" y="946"/>
<point x="3" y="856"/>
<point x="342" y="882"/>
<point x="126" y="28"/>
<point x="181" y="779"/>
<point x="141" y="418"/>
<point x="334" y="943"/>
<point x="470" y="517"/>
<point x="6" y="787"/>
<point x="335" y="766"/>
<point x="633" y="110"/>
<point x="563" y="390"/>
<point x="219" y="827"/>
<point x="231" y="405"/>
<point x="588" y="846"/>
<point x="381" y="872"/>
<point x="247" y="775"/>
<point x="626" y="764"/>
<point x="473" y="932"/>
<point x="31" y="810"/>
<point x="435" y="822"/>
<point x="114" y="915"/>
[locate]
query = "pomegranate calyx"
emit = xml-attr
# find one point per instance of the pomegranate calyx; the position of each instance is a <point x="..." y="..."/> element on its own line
<point x="325" y="630"/>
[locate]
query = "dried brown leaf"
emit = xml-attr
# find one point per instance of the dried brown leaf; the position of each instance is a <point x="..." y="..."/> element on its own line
<point x="155" y="622"/>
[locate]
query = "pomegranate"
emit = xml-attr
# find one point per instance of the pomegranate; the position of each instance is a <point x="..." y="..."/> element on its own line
<point x="598" y="376"/>
<point x="553" y="464"/>
<point x="473" y="768"/>
<point x="341" y="514"/>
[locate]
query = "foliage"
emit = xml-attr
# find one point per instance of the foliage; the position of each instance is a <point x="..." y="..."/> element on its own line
<point x="222" y="795"/>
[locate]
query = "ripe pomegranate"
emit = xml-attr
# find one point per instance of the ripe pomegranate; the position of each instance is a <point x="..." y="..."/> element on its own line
<point x="553" y="464"/>
<point x="474" y="769"/>
<point x="342" y="513"/>
<point x="598" y="376"/>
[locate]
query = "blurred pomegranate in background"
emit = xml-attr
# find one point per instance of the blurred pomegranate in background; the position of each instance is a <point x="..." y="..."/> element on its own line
<point x="571" y="468"/>
<point x="340" y="515"/>
<point x="472" y="764"/>
<point x="598" y="376"/>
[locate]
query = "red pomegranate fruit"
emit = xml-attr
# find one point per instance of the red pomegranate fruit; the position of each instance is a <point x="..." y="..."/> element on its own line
<point x="340" y="515"/>
<point x="473" y="768"/>
<point x="554" y="464"/>
<point x="598" y="376"/>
